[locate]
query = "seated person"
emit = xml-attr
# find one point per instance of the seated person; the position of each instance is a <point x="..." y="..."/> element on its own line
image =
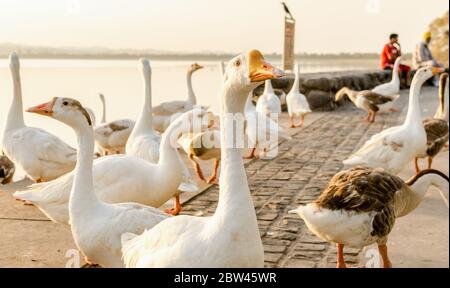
<point x="424" y="58"/>
<point x="389" y="54"/>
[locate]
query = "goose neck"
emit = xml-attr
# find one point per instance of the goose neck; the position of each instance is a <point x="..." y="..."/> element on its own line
<point x="442" y="112"/>
<point x="145" y="120"/>
<point x="234" y="197"/>
<point x="169" y="156"/>
<point x="82" y="195"/>
<point x="296" y="85"/>
<point x="414" y="115"/>
<point x="268" y="89"/>
<point x="395" y="76"/>
<point x="103" y="119"/>
<point x="420" y="186"/>
<point x="249" y="107"/>
<point x="15" y="114"/>
<point x="191" y="95"/>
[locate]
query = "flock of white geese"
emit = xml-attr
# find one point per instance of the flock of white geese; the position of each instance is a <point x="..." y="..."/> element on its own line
<point x="111" y="203"/>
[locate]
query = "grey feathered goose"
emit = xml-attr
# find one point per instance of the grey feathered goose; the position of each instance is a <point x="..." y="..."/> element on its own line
<point x="436" y="128"/>
<point x="359" y="207"/>
<point x="366" y="100"/>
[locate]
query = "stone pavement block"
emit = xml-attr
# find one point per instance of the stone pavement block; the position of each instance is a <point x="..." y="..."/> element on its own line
<point x="272" y="257"/>
<point x="299" y="263"/>
<point x="274" y="248"/>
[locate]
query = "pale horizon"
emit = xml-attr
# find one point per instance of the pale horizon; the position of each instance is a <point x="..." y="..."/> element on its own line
<point x="323" y="26"/>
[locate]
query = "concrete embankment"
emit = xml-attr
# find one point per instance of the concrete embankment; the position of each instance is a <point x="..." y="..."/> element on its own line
<point x="320" y="88"/>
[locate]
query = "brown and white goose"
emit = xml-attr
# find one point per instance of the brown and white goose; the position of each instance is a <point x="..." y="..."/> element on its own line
<point x="203" y="146"/>
<point x="7" y="169"/>
<point x="436" y="128"/>
<point x="359" y="207"/>
<point x="366" y="100"/>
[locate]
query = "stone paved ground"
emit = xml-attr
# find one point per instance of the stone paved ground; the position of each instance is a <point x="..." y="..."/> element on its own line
<point x="302" y="169"/>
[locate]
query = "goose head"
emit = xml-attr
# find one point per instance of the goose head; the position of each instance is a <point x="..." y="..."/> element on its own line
<point x="248" y="70"/>
<point x="144" y="66"/>
<point x="66" y="110"/>
<point x="341" y="93"/>
<point x="425" y="73"/>
<point x="14" y="63"/>
<point x="194" y="67"/>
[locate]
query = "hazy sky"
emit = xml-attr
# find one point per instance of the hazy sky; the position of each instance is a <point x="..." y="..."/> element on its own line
<point x="212" y="25"/>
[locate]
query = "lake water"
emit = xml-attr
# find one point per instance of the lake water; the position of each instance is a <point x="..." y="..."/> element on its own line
<point x="120" y="81"/>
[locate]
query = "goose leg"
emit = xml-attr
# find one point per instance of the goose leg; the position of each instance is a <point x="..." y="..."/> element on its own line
<point x="384" y="255"/>
<point x="430" y="161"/>
<point x="197" y="168"/>
<point x="25" y="202"/>
<point x="393" y="109"/>
<point x="416" y="164"/>
<point x="252" y="154"/>
<point x="302" y="120"/>
<point x="176" y="209"/>
<point x="291" y="120"/>
<point x="213" y="178"/>
<point x="89" y="264"/>
<point x="367" y="119"/>
<point x="340" y="263"/>
<point x="373" y="117"/>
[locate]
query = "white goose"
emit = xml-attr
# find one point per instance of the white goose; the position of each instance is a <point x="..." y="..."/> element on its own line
<point x="144" y="141"/>
<point x="112" y="136"/>
<point x="395" y="147"/>
<point x="40" y="154"/>
<point x="96" y="226"/>
<point x="164" y="112"/>
<point x="390" y="89"/>
<point x="268" y="102"/>
<point x="359" y="207"/>
<point x="297" y="104"/>
<point x="150" y="184"/>
<point x="220" y="240"/>
<point x="262" y="132"/>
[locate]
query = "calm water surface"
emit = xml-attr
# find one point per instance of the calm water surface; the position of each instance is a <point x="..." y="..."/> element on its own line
<point x="120" y="81"/>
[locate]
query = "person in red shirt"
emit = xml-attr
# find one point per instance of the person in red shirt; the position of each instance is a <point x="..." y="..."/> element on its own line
<point x="390" y="52"/>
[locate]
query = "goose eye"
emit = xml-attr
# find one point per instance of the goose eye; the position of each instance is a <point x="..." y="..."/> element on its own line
<point x="65" y="103"/>
<point x="237" y="63"/>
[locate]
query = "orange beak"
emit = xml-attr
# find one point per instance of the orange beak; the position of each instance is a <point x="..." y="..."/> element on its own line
<point x="45" y="109"/>
<point x="437" y="70"/>
<point x="259" y="69"/>
<point x="198" y="66"/>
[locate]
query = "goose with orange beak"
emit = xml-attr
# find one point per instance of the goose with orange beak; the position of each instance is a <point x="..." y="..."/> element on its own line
<point x="96" y="225"/>
<point x="393" y="148"/>
<point x="229" y="238"/>
<point x="164" y="112"/>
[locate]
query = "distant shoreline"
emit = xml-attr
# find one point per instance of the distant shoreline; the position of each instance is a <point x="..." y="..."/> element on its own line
<point x="181" y="57"/>
<point x="35" y="52"/>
